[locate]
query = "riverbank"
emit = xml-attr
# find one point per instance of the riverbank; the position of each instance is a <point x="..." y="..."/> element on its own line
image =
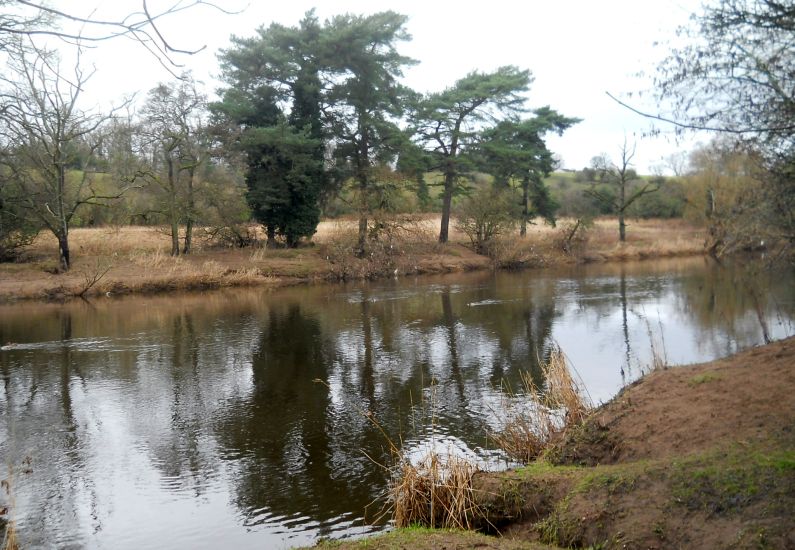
<point x="701" y="456"/>
<point x="132" y="260"/>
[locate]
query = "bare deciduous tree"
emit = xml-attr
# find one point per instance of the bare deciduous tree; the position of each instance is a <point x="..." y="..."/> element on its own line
<point x="620" y="176"/>
<point x="48" y="145"/>
<point x="172" y="134"/>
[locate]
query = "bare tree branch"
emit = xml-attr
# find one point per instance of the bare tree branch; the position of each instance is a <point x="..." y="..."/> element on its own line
<point x="141" y="26"/>
<point x="689" y="126"/>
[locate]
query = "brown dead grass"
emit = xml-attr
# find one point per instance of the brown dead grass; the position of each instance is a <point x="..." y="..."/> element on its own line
<point x="137" y="258"/>
<point x="436" y="493"/>
<point x="540" y="416"/>
<point x="10" y="541"/>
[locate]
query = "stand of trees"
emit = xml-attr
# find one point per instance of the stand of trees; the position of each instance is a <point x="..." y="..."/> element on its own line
<point x="316" y="111"/>
<point x="317" y="106"/>
<point x="734" y="78"/>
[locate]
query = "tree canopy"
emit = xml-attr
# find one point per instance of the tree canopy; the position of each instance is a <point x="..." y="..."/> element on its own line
<point x="447" y="123"/>
<point x="735" y="76"/>
<point x="334" y="86"/>
<point x="516" y="149"/>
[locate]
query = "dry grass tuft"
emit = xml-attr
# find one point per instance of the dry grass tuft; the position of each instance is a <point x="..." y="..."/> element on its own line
<point x="437" y="493"/>
<point x="8" y="526"/>
<point x="10" y="541"/>
<point x="537" y="418"/>
<point x="258" y="254"/>
<point x="154" y="259"/>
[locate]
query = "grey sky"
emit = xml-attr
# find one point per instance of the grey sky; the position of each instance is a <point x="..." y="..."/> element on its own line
<point x="576" y="49"/>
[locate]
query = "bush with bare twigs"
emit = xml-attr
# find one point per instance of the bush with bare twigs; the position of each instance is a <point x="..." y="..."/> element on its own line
<point x="391" y="239"/>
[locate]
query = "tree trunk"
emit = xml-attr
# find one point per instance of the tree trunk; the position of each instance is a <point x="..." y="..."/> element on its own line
<point x="174" y="236"/>
<point x="450" y="174"/>
<point x="363" y="166"/>
<point x="271" y="232"/>
<point x="622" y="205"/>
<point x="525" y="193"/>
<point x="361" y="245"/>
<point x="188" y="236"/>
<point x="447" y="201"/>
<point x="191" y="211"/>
<point x="64" y="261"/>
<point x="172" y="210"/>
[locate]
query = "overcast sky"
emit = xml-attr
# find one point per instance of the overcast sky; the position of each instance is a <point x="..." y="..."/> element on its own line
<point x="576" y="49"/>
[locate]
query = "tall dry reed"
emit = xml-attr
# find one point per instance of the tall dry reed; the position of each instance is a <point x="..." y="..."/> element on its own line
<point x="533" y="420"/>
<point x="437" y="492"/>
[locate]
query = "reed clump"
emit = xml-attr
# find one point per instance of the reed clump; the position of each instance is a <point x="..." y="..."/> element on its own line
<point x="437" y="492"/>
<point x="8" y="526"/>
<point x="533" y="421"/>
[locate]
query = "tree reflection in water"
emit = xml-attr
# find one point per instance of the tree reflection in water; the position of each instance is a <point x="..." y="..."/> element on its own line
<point x="200" y="417"/>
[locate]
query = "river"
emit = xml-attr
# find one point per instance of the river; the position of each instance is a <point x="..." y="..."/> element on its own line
<point x="261" y="419"/>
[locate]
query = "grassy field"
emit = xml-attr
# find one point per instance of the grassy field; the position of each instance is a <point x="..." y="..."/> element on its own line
<point x="131" y="259"/>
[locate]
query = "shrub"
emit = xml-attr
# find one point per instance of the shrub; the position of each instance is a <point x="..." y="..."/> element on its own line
<point x="486" y="214"/>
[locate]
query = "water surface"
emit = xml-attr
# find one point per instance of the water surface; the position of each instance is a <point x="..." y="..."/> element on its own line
<point x="245" y="419"/>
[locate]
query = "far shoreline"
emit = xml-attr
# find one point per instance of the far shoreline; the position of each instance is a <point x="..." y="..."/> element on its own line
<point x="113" y="261"/>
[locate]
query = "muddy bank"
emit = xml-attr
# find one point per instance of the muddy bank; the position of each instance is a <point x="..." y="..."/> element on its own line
<point x="701" y="456"/>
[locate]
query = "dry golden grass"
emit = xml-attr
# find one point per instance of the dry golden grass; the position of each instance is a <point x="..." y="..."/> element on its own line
<point x="544" y="245"/>
<point x="645" y="239"/>
<point x="10" y="541"/>
<point x="138" y="257"/>
<point x="105" y="241"/>
<point x="436" y="493"/>
<point x="533" y="420"/>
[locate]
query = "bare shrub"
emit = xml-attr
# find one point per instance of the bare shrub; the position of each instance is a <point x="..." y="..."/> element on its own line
<point x="231" y="236"/>
<point x="486" y="214"/>
<point x="573" y="236"/>
<point x="391" y="238"/>
<point x="513" y="253"/>
<point x="92" y="276"/>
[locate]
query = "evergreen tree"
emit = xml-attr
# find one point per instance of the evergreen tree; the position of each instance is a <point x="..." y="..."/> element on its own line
<point x="447" y="122"/>
<point x="517" y="150"/>
<point x="276" y="71"/>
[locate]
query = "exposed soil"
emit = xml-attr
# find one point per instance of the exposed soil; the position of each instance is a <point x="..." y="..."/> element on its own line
<point x="690" y="457"/>
<point x="747" y="398"/>
<point x="696" y="457"/>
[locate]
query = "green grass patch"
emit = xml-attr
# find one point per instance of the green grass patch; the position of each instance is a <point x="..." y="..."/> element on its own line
<point x="543" y="468"/>
<point x="723" y="483"/>
<point x="559" y="527"/>
<point x="704" y="378"/>
<point x="426" y="538"/>
<point x="611" y="479"/>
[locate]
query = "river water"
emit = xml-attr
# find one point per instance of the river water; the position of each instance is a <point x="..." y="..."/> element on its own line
<point x="258" y="419"/>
